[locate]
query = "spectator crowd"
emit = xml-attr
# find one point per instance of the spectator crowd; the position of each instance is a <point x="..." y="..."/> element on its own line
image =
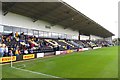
<point x="17" y="44"/>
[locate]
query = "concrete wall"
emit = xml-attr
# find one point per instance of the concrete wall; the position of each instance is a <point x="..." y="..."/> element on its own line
<point x="16" y="20"/>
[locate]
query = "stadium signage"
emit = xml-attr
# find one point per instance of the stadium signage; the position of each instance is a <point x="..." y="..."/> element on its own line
<point x="57" y="52"/>
<point x="80" y="50"/>
<point x="75" y="50"/>
<point x="7" y="59"/>
<point x="49" y="53"/>
<point x="63" y="52"/>
<point x="40" y="55"/>
<point x="29" y="56"/>
<point x="84" y="49"/>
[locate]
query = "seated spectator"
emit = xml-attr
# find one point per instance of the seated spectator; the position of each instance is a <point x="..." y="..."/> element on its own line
<point x="22" y="37"/>
<point x="32" y="44"/>
<point x="8" y="39"/>
<point x="26" y="51"/>
<point x="16" y="34"/>
<point x="12" y="35"/>
<point x="31" y="50"/>
<point x="27" y="45"/>
<point x="3" y="39"/>
<point x="68" y="47"/>
<point x="17" y="51"/>
<point x="17" y="39"/>
<point x="22" y="43"/>
<point x="10" y="53"/>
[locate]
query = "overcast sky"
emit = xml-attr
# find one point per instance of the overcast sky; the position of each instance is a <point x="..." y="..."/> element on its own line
<point x="104" y="12"/>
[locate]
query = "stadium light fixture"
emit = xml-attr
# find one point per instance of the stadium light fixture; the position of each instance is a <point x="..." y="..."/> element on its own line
<point x="72" y="18"/>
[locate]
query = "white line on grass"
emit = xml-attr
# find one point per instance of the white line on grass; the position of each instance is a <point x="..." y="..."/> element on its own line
<point x="39" y="73"/>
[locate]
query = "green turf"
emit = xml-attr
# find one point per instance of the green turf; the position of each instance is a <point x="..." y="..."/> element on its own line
<point x="100" y="63"/>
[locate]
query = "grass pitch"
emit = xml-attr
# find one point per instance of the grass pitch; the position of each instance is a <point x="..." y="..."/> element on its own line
<point x="100" y="63"/>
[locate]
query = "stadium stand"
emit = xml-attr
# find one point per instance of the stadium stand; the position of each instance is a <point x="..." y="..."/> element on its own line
<point x="39" y="32"/>
<point x="17" y="44"/>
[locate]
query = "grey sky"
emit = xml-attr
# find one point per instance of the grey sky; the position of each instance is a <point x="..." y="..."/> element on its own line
<point x="104" y="12"/>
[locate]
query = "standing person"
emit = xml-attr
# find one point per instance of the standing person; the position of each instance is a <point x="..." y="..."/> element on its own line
<point x="11" y="36"/>
<point x="6" y="50"/>
<point x="2" y="50"/>
<point x="22" y="37"/>
<point x="68" y="47"/>
<point x="3" y="40"/>
<point x="25" y="50"/>
<point x="17" y="51"/>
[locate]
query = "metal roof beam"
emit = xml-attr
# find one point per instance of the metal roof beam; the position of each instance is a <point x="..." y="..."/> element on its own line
<point x="77" y="22"/>
<point x="84" y="26"/>
<point x="81" y="23"/>
<point x="7" y="8"/>
<point x="48" y="12"/>
<point x="62" y="20"/>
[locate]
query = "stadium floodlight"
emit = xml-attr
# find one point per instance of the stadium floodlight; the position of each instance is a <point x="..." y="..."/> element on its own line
<point x="72" y="18"/>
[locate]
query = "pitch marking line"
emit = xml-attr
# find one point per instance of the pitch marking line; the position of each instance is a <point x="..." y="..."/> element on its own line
<point x="39" y="73"/>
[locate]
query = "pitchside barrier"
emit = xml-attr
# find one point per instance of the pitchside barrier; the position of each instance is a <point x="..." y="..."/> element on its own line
<point x="96" y="47"/>
<point x="35" y="55"/>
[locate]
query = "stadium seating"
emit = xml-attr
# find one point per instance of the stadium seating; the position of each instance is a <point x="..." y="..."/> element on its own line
<point x="17" y="44"/>
<point x="66" y="45"/>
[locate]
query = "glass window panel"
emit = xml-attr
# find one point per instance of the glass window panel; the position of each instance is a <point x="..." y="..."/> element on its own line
<point x="41" y="33"/>
<point x="30" y="32"/>
<point x="36" y="33"/>
<point x="74" y="37"/>
<point x="1" y="28"/>
<point x="60" y="35"/>
<point x="24" y="30"/>
<point x="64" y="36"/>
<point x="16" y="29"/>
<point x="45" y="34"/>
<point x="55" y="35"/>
<point x="69" y="36"/>
<point x="49" y="34"/>
<point x="7" y="29"/>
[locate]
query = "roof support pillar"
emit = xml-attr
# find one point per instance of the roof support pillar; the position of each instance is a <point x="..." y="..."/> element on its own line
<point x="7" y="8"/>
<point x="89" y="37"/>
<point x="34" y="20"/>
<point x="5" y="13"/>
<point x="79" y="35"/>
